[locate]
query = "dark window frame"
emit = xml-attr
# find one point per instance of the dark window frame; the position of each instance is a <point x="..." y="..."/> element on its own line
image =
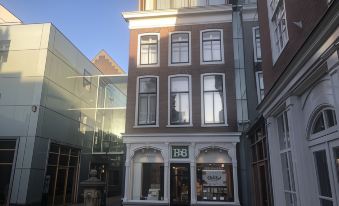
<point x="180" y="42"/>
<point x="149" y="44"/>
<point x="211" y="41"/>
<point x="149" y="94"/>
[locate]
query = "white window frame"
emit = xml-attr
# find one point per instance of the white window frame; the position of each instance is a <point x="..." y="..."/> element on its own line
<point x="170" y="49"/>
<point x="275" y="50"/>
<point x="258" y="85"/>
<point x="139" y="65"/>
<point x="202" y="62"/>
<point x="202" y="101"/>
<point x="169" y="102"/>
<point x="136" y="122"/>
<point x="255" y="44"/>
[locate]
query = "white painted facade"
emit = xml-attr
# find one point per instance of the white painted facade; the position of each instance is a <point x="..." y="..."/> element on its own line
<point x="313" y="86"/>
<point x="221" y="147"/>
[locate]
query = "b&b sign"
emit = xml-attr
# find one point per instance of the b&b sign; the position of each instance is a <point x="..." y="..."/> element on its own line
<point x="179" y="152"/>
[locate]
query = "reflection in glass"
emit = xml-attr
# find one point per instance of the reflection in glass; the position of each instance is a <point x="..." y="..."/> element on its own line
<point x="149" y="49"/>
<point x="147" y="101"/>
<point x="211" y="46"/>
<point x="152" y="181"/>
<point x="213" y="99"/>
<point x="180" y="47"/>
<point x="7" y="151"/>
<point x="179" y="100"/>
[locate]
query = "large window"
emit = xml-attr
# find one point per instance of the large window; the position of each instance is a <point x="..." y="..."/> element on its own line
<point x="286" y="160"/>
<point x="62" y="175"/>
<point x="149" y="49"/>
<point x="7" y="153"/>
<point x="180" y="48"/>
<point x="278" y="26"/>
<point x="215" y="182"/>
<point x="147" y="100"/>
<point x="180" y="100"/>
<point x="152" y="185"/>
<point x="211" y="46"/>
<point x="213" y="97"/>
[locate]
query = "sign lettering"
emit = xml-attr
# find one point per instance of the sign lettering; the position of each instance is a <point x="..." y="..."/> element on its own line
<point x="180" y="152"/>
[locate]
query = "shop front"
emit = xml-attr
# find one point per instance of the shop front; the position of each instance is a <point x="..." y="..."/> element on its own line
<point x="181" y="170"/>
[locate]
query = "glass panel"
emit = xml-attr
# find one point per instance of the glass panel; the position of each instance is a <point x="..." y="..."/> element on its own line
<point x="319" y="124"/>
<point x="330" y="116"/>
<point x="210" y="189"/>
<point x="324" y="202"/>
<point x="216" y="50"/>
<point x="281" y="132"/>
<point x="208" y="101"/>
<point x="180" y="37"/>
<point x="6" y="171"/>
<point x="177" y="4"/>
<point x="6" y="156"/>
<point x="207" y="51"/>
<point x="144" y="54"/>
<point x="149" y="39"/>
<point x="179" y="84"/>
<point x="213" y="83"/>
<point x="153" y="54"/>
<point x="152" y="109"/>
<point x="211" y="35"/>
<point x="176" y="53"/>
<point x="180" y="184"/>
<point x="148" y="85"/>
<point x="180" y="108"/>
<point x="143" y="99"/>
<point x="218" y="107"/>
<point x="216" y="2"/>
<point x="7" y="144"/>
<point x="324" y="184"/>
<point x="336" y="158"/>
<point x="291" y="199"/>
<point x="286" y="171"/>
<point x="152" y="185"/>
<point x="59" y="190"/>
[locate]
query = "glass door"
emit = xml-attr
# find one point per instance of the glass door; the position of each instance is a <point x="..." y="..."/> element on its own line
<point x="180" y="184"/>
<point x="334" y="153"/>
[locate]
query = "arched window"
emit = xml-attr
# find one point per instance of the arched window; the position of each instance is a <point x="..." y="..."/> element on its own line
<point x="323" y="120"/>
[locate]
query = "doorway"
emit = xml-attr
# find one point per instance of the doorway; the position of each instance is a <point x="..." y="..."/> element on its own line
<point x="180" y="184"/>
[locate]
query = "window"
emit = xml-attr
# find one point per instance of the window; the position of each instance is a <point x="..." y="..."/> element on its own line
<point x="180" y="99"/>
<point x="260" y="86"/>
<point x="325" y="119"/>
<point x="213" y="98"/>
<point x="278" y="27"/>
<point x="180" y="48"/>
<point x="211" y="46"/>
<point x="87" y="80"/>
<point x="149" y="50"/>
<point x="286" y="160"/>
<point x="256" y="44"/>
<point x="7" y="153"/>
<point x="216" y="2"/>
<point x="147" y="100"/>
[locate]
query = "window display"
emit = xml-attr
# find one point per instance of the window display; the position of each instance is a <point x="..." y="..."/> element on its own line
<point x="152" y="181"/>
<point x="214" y="182"/>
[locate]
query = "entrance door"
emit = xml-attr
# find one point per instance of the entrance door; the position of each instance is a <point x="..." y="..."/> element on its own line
<point x="180" y="184"/>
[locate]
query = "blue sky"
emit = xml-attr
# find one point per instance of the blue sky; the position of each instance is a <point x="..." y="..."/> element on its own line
<point x="91" y="25"/>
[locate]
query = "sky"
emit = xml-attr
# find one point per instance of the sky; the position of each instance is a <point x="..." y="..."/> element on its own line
<point x="92" y="25"/>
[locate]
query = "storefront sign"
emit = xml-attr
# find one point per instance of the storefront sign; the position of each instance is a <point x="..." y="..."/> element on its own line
<point x="214" y="177"/>
<point x="180" y="152"/>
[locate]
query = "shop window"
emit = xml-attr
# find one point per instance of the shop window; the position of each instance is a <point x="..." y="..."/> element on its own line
<point x="7" y="152"/>
<point x="215" y="182"/>
<point x="325" y="119"/>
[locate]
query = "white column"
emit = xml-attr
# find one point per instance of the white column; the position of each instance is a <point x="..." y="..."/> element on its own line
<point x="127" y="194"/>
<point x="193" y="174"/>
<point x="166" y="181"/>
<point x="232" y="153"/>
<point x="193" y="183"/>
